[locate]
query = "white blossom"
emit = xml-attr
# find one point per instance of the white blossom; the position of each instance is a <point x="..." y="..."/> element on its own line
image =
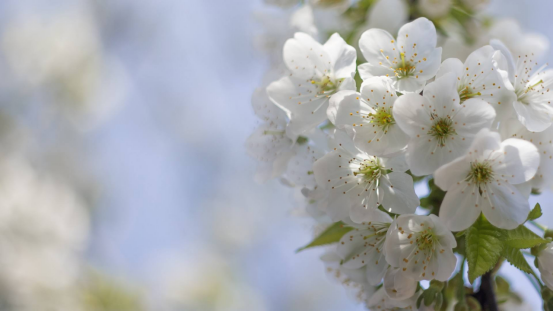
<point x="269" y="144"/>
<point x="364" y="246"/>
<point x="317" y="72"/>
<point x="353" y="280"/>
<point x="279" y="155"/>
<point x="533" y="103"/>
<point x="421" y="247"/>
<point x="482" y="77"/>
<point x="44" y="228"/>
<point x="358" y="183"/>
<point x="368" y="117"/>
<point x="441" y="128"/>
<point x="483" y="180"/>
<point x="398" y="285"/>
<point x="410" y="61"/>
<point x="380" y="301"/>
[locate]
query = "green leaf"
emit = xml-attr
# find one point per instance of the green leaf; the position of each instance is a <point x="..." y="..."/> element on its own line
<point x="331" y="235"/>
<point x="522" y="238"/>
<point x="484" y="247"/>
<point x="516" y="258"/>
<point x="535" y="213"/>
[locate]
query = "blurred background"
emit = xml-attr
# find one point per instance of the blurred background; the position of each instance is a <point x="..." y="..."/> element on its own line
<point x="124" y="180"/>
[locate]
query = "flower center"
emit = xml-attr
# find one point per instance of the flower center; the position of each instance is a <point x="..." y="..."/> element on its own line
<point x="405" y="68"/>
<point x="425" y="239"/>
<point x="327" y="85"/>
<point x="442" y="129"/>
<point x="464" y="94"/>
<point x="371" y="170"/>
<point x="523" y="94"/>
<point x="480" y="173"/>
<point x="302" y="140"/>
<point x="383" y="118"/>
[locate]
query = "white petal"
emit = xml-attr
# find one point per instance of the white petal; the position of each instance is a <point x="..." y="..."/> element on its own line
<point x="429" y="64"/>
<point x="451" y="65"/>
<point x="265" y="109"/>
<point x="420" y="32"/>
<point x="484" y="144"/>
<point x="398" y="285"/>
<point x="341" y="105"/>
<point x="376" y="44"/>
<point x="459" y="209"/>
<point x="399" y="193"/>
<point x="425" y="155"/>
<point x="340" y="139"/>
<point x="300" y="167"/>
<point x="410" y="114"/>
<point x="298" y="98"/>
<point x="442" y="94"/>
<point x="396" y="163"/>
<point x="363" y="208"/>
<point x="511" y="69"/>
<point x="449" y="174"/>
<point x="367" y="71"/>
<point x="342" y="56"/>
<point x="504" y="206"/>
<point x="410" y="84"/>
<point x="517" y="162"/>
<point x="393" y="247"/>
<point x="536" y="116"/>
<point x="525" y="189"/>
<point x="446" y="265"/>
<point x="446" y="238"/>
<point x="375" y="272"/>
<point x="305" y="57"/>
<point x="473" y="115"/>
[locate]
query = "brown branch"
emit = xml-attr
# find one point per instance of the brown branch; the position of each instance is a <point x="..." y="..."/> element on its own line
<point x="486" y="294"/>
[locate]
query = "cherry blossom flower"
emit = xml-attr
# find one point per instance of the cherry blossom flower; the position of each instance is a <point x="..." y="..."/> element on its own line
<point x="364" y="246"/>
<point x="410" y="61"/>
<point x="481" y="77"/>
<point x="484" y="179"/>
<point x="533" y="103"/>
<point x="441" y="128"/>
<point x="269" y="144"/>
<point x="353" y="280"/>
<point x="317" y="72"/>
<point x="380" y="301"/>
<point x="368" y="117"/>
<point x="421" y="247"/>
<point x="357" y="184"/>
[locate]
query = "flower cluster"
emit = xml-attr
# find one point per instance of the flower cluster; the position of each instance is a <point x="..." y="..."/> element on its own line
<point x="479" y="129"/>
